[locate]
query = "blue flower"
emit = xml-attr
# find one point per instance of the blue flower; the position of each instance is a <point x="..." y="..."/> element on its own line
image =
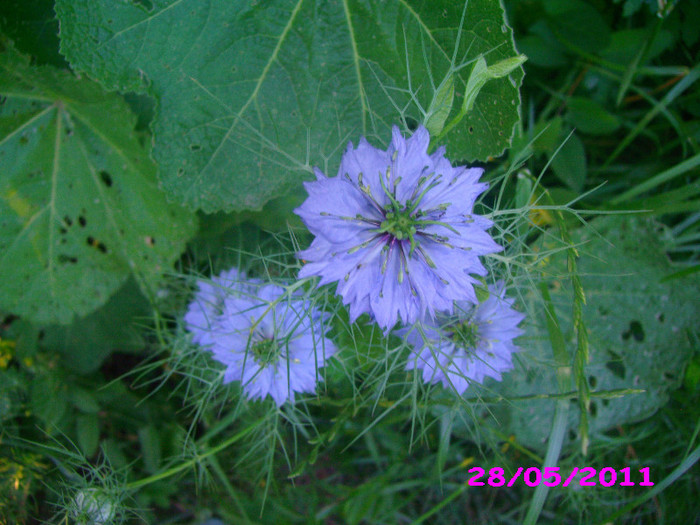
<point x="273" y="344"/>
<point x="474" y="343"/>
<point x="204" y="310"/>
<point x="395" y="230"/>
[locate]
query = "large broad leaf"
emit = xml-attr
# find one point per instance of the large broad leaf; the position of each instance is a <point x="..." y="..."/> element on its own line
<point x="87" y="342"/>
<point x="251" y="94"/>
<point x="640" y="331"/>
<point x="80" y="209"/>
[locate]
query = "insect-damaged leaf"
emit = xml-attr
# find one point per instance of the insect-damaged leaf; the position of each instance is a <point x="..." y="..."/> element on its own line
<point x="80" y="209"/>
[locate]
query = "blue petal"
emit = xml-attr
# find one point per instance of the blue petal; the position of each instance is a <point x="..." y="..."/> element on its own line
<point x="263" y="310"/>
<point x="411" y="161"/>
<point x="394" y="298"/>
<point x="356" y="290"/>
<point x="332" y="207"/>
<point x="455" y="367"/>
<point x="468" y="236"/>
<point x="334" y="266"/>
<point x="371" y="163"/>
<point x="460" y="192"/>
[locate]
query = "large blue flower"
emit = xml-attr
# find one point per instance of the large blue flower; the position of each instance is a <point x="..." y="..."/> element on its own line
<point x="395" y="230"/>
<point x="273" y="344"/>
<point x="477" y="341"/>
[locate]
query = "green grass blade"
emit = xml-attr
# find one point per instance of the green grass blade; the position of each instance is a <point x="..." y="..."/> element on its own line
<point x="685" y="466"/>
<point x="675" y="92"/>
<point x="556" y="439"/>
<point x="639" y="58"/>
<point x="661" y="178"/>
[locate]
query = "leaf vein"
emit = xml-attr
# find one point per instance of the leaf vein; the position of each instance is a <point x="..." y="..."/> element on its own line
<point x="358" y="70"/>
<point x="254" y="94"/>
<point x="52" y="201"/>
<point x="146" y="20"/>
<point x="25" y="124"/>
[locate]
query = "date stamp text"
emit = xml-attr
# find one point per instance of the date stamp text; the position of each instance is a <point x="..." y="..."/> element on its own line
<point x="551" y="477"/>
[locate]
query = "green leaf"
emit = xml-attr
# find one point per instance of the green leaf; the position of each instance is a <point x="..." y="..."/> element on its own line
<point x="569" y="163"/>
<point x="523" y="191"/>
<point x="150" y="447"/>
<point x="632" y="6"/>
<point x="477" y="80"/>
<point x="542" y="46"/>
<point x="86" y="343"/>
<point x="441" y="106"/>
<point x="48" y="400"/>
<point x="625" y="44"/>
<point x="547" y="135"/>
<point x="544" y="137"/>
<point x="690" y="13"/>
<point x="113" y="451"/>
<point x="639" y="329"/>
<point x="12" y="392"/>
<point x="578" y="23"/>
<point x="363" y="504"/>
<point x="505" y="67"/>
<point x="88" y="431"/>
<point x="79" y="205"/>
<point x="23" y="335"/>
<point x="588" y="116"/>
<point x="251" y="95"/>
<point x="84" y="401"/>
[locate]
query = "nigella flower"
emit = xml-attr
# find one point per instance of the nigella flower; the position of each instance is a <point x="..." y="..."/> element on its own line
<point x="395" y="230"/>
<point x="474" y="343"/>
<point x="206" y="307"/>
<point x="274" y="345"/>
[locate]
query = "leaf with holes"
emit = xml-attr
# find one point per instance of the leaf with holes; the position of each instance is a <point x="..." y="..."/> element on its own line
<point x="80" y="209"/>
<point x="639" y="329"/>
<point x="251" y="94"/>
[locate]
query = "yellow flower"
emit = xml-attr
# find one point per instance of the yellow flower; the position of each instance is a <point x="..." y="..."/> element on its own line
<point x="6" y="352"/>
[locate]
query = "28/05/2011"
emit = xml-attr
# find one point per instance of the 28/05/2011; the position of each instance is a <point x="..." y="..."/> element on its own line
<point x="533" y="476"/>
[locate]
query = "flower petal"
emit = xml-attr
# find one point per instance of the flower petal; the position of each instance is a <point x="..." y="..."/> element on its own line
<point x="370" y="163"/>
<point x="252" y="313"/>
<point x="415" y="205"/>
<point x="440" y="356"/>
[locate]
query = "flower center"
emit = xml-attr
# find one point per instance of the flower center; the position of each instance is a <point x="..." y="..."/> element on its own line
<point x="266" y="351"/>
<point x="399" y="223"/>
<point x="466" y="335"/>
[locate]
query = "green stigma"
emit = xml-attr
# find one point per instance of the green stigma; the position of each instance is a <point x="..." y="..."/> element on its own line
<point x="466" y="335"/>
<point x="266" y="351"/>
<point x="400" y="224"/>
